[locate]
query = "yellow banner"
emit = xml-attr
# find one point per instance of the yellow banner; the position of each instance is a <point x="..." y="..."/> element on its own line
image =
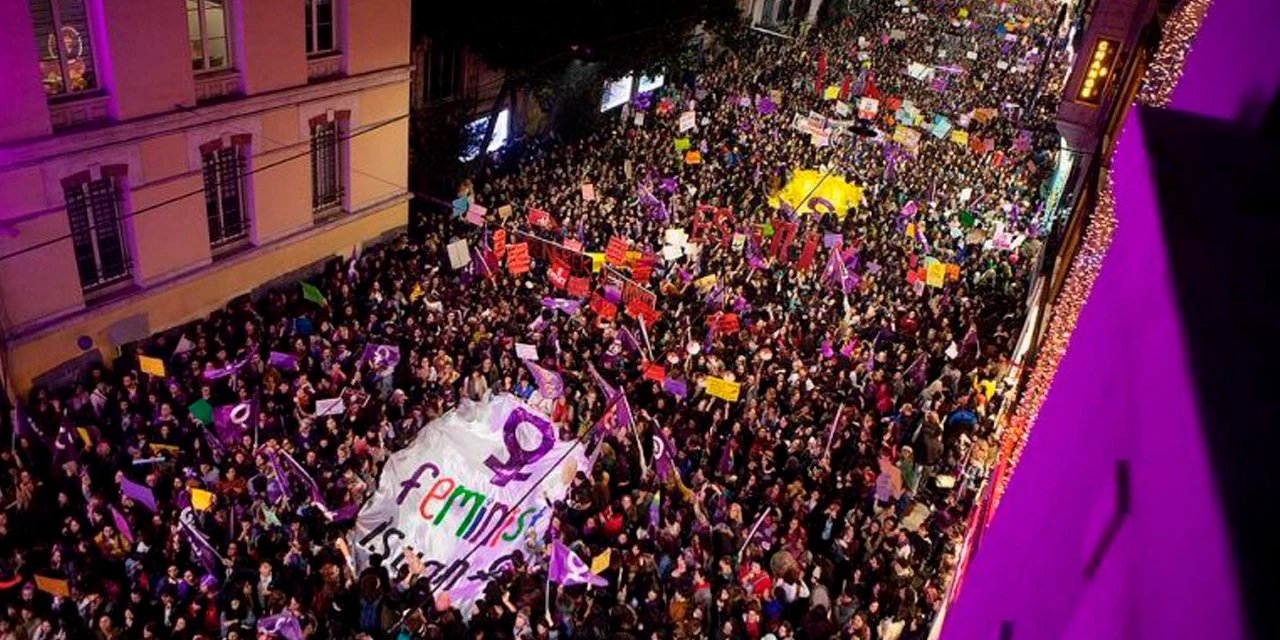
<point x="723" y="389"/>
<point x="832" y="190"/>
<point x="601" y="562"/>
<point x="151" y="366"/>
<point x="937" y="273"/>
<point x="201" y="500"/>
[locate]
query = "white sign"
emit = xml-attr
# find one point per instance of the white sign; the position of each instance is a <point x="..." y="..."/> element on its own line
<point x="459" y="254"/>
<point x="526" y="351"/>
<point x="687" y="120"/>
<point x="470" y="491"/>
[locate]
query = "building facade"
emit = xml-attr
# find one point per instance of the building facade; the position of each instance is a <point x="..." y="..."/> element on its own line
<point x="159" y="157"/>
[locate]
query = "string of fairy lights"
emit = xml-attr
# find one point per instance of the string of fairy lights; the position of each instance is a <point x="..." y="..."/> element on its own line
<point x="1166" y="66"/>
<point x="1062" y="323"/>
<point x="1159" y="80"/>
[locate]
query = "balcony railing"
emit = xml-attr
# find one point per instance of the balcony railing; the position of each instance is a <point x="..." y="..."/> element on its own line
<point x="216" y="85"/>
<point x="325" y="65"/>
<point x="78" y="110"/>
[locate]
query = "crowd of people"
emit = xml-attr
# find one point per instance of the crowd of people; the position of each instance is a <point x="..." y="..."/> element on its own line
<point x="829" y="500"/>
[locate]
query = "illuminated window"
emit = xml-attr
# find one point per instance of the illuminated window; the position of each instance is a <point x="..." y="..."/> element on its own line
<point x="207" y="33"/>
<point x="475" y="131"/>
<point x="93" y="211"/>
<point x="62" y="41"/>
<point x="224" y="192"/>
<point x="319" y="18"/>
<point x="616" y="93"/>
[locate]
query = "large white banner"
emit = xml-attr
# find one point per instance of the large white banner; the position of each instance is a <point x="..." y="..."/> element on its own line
<point x="467" y="494"/>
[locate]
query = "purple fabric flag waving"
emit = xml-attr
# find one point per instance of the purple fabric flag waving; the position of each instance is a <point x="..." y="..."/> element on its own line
<point x="570" y="307"/>
<point x="217" y="373"/>
<point x="285" y="361"/>
<point x="233" y="420"/>
<point x="313" y="489"/>
<point x="140" y="494"/>
<point x="122" y="525"/>
<point x="381" y="356"/>
<point x="201" y="549"/>
<point x="663" y="454"/>
<point x="676" y="387"/>
<point x="550" y="384"/>
<point x="282" y="625"/>
<point x="568" y="569"/>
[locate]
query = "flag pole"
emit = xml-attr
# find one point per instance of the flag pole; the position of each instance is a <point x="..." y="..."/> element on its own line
<point x="547" y="599"/>
<point x="826" y="453"/>
<point x="750" y="535"/>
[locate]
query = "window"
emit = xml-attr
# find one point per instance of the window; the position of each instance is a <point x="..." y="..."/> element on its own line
<point x="224" y="196"/>
<point x="62" y="41"/>
<point x="473" y="135"/>
<point x="93" y="209"/>
<point x="444" y="71"/>
<point x="616" y="94"/>
<point x="207" y="33"/>
<point x="319" y="21"/>
<point x="326" y="166"/>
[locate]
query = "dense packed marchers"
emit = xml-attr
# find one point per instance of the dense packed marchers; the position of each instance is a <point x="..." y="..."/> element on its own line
<point x="863" y="428"/>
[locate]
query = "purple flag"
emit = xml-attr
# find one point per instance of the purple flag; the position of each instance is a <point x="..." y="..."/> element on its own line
<point x="827" y="350"/>
<point x="313" y="489"/>
<point x="628" y="340"/>
<point x="676" y="387"/>
<point x="832" y="240"/>
<point x="570" y="307"/>
<point x="285" y="361"/>
<point x="231" y="421"/>
<point x="663" y="453"/>
<point x="122" y="525"/>
<point x="281" y="480"/>
<point x="610" y="391"/>
<point x="140" y="494"/>
<point x="381" y="356"/>
<point x="916" y="372"/>
<point x="613" y="293"/>
<point x="568" y="569"/>
<point x="766" y="106"/>
<point x="550" y="384"/>
<point x="201" y="549"/>
<point x="282" y="625"/>
<point x="909" y="209"/>
<point x="217" y="373"/>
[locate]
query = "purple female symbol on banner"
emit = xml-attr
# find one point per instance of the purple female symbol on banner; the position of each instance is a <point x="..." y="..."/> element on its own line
<point x="518" y="457"/>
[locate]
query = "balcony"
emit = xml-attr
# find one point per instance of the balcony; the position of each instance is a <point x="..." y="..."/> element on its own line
<point x="322" y="66"/>
<point x="77" y="109"/>
<point x="216" y="85"/>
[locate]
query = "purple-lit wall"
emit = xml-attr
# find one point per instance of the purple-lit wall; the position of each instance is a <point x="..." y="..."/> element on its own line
<point x="1123" y="391"/>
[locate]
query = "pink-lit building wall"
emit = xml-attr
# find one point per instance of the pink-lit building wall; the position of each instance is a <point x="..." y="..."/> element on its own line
<point x="1123" y="392"/>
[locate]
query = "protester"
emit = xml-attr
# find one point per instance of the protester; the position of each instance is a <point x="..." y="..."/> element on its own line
<point x="827" y="500"/>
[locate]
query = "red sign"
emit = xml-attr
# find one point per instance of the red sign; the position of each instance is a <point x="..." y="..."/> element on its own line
<point x="539" y="218"/>
<point x="570" y="243"/>
<point x="558" y="274"/>
<point x="604" y="307"/>
<point x="616" y="252"/>
<point x="518" y="258"/>
<point x="643" y="269"/>
<point x="579" y="287"/>
<point x="655" y="372"/>
<point x="783" y="233"/>
<point x="806" y="254"/>
<point x="642" y="311"/>
<point x="499" y="242"/>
